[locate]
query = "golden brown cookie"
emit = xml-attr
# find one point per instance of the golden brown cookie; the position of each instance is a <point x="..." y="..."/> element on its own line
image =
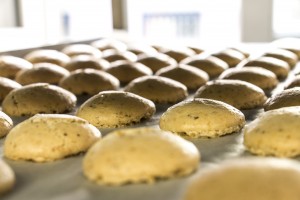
<point x="49" y="137"/>
<point x="89" y="81"/>
<point x="86" y="61"/>
<point x="138" y="49"/>
<point x="10" y="65"/>
<point x="284" y="55"/>
<point x="42" y="73"/>
<point x="179" y="53"/>
<point x="38" y="98"/>
<point x="157" y="61"/>
<point x="81" y="49"/>
<point x="202" y="118"/>
<point x="7" y="85"/>
<point x="294" y="82"/>
<point x="6" y="124"/>
<point x="240" y="94"/>
<point x="158" y="89"/>
<point x="47" y="55"/>
<point x="109" y="43"/>
<point x="230" y="56"/>
<point x="111" y="109"/>
<point x="112" y="55"/>
<point x="142" y="155"/>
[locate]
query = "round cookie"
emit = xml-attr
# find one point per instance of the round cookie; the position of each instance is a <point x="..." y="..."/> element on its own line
<point x="7" y="85"/>
<point x="158" y="89"/>
<point x="86" y="61"/>
<point x="47" y="55"/>
<point x="139" y="49"/>
<point x="112" y="109"/>
<point x="286" y="98"/>
<point x="284" y="55"/>
<point x="295" y="50"/>
<point x="191" y="77"/>
<point x="179" y="53"/>
<point x="49" y="137"/>
<point x="258" y="76"/>
<point x="247" y="179"/>
<point x="202" y="118"/>
<point x="277" y="66"/>
<point x="6" y="124"/>
<point x="112" y="55"/>
<point x="109" y="43"/>
<point x="196" y="49"/>
<point x="7" y="178"/>
<point x="275" y="133"/>
<point x="294" y="82"/>
<point x="240" y="94"/>
<point x="42" y="73"/>
<point x="230" y="56"/>
<point x="213" y="66"/>
<point x="245" y="53"/>
<point x="10" y="65"/>
<point x="126" y="71"/>
<point x="38" y="98"/>
<point x="81" y="49"/>
<point x="89" y="81"/>
<point x="157" y="61"/>
<point x="142" y="155"/>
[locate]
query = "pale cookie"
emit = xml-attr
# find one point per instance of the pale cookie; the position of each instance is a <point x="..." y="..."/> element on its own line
<point x="111" y="109"/>
<point x="202" y="118"/>
<point x="38" y="98"/>
<point x="7" y="178"/>
<point x="230" y="56"/>
<point x="275" y="133"/>
<point x="139" y="155"/>
<point x="10" y="65"/>
<point x="47" y="55"/>
<point x="86" y="61"/>
<point x="285" y="55"/>
<point x="7" y="85"/>
<point x="157" y="61"/>
<point x="6" y="124"/>
<point x="49" y="137"/>
<point x="109" y="43"/>
<point x="247" y="179"/>
<point x="81" y="49"/>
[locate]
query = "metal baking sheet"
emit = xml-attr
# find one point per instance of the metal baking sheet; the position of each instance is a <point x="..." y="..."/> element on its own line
<point x="64" y="180"/>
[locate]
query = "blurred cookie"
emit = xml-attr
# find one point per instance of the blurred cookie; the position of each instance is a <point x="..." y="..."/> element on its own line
<point x="81" y="49"/>
<point x="230" y="56"/>
<point x="109" y="43"/>
<point x="7" y="178"/>
<point x="126" y="71"/>
<point x="6" y="124"/>
<point x="111" y="109"/>
<point x="189" y="76"/>
<point x="47" y="55"/>
<point x="38" y="98"/>
<point x="89" y="81"/>
<point x="138" y="49"/>
<point x="277" y="66"/>
<point x="202" y="118"/>
<point x="213" y="66"/>
<point x="7" y="85"/>
<point x="112" y="55"/>
<point x="49" y="137"/>
<point x="286" y="98"/>
<point x="258" y="76"/>
<point x="294" y="82"/>
<point x="142" y="155"/>
<point x="275" y="133"/>
<point x="158" y="89"/>
<point x="179" y="53"/>
<point x="42" y="73"/>
<point x="240" y="94"/>
<point x="86" y="61"/>
<point x="11" y="65"/>
<point x="247" y="179"/>
<point x="157" y="61"/>
<point x="284" y="55"/>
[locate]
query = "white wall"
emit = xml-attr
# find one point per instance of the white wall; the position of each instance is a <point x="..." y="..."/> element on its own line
<point x="7" y="13"/>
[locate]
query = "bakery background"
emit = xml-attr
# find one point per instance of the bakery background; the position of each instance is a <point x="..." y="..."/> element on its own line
<point x="27" y="23"/>
<point x="215" y="25"/>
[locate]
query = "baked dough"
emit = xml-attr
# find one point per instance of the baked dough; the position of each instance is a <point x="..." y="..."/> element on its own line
<point x="139" y="155"/>
<point x="157" y="61"/>
<point x="213" y="66"/>
<point x="286" y="98"/>
<point x="294" y="82"/>
<point x="285" y="55"/>
<point x="49" y="137"/>
<point x="275" y="133"/>
<point x="230" y="56"/>
<point x="277" y="66"/>
<point x="179" y="53"/>
<point x="6" y="124"/>
<point x="112" y="55"/>
<point x="7" y="178"/>
<point x="89" y="81"/>
<point x="7" y="85"/>
<point x="10" y="65"/>
<point x="247" y="179"/>
<point x="189" y="76"/>
<point x="240" y="94"/>
<point x="47" y="55"/>
<point x="158" y="89"/>
<point x="86" y="61"/>
<point x="202" y="118"/>
<point x="111" y="109"/>
<point x="38" y="98"/>
<point x="258" y="76"/>
<point x="109" y="43"/>
<point x="41" y="73"/>
<point x="126" y="71"/>
<point x="138" y="49"/>
<point x="81" y="49"/>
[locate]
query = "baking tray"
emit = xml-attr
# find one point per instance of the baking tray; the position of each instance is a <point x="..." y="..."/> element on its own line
<point x="64" y="180"/>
